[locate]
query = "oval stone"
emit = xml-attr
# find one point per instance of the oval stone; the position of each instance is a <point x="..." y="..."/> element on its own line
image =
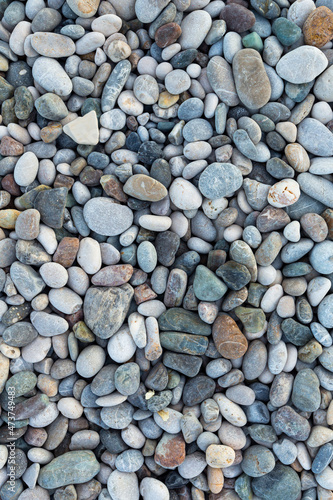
<point x="105" y="217"/>
<point x="302" y="65"/>
<point x="228" y="339"/>
<point x="315" y="138"/>
<point x="220" y="77"/>
<point x="74" y="467"/>
<point x="50" y="75"/>
<point x="52" y="44"/>
<point x="251" y="80"/>
<point x="219" y="180"/>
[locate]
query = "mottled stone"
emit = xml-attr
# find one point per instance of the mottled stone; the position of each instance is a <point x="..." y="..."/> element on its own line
<point x="228" y="339"/>
<point x="251" y="80"/>
<point x="105" y="309"/>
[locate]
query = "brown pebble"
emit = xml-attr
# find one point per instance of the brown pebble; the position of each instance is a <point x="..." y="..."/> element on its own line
<point x="215" y="479"/>
<point x="113" y="187"/>
<point x="142" y="293"/>
<point x="216" y="258"/>
<point x="8" y="218"/>
<point x="228" y="339"/>
<point x="318" y="27"/>
<point x="227" y="217"/>
<point x="113" y="275"/>
<point x="167" y="34"/>
<point x="90" y="176"/>
<point x="78" y="165"/>
<point x="314" y="226"/>
<point x="167" y="100"/>
<point x="35" y="437"/>
<point x="10" y="147"/>
<point x="237" y="17"/>
<point x="272" y="219"/>
<point x="170" y="451"/>
<point x="132" y="123"/>
<point x="74" y="318"/>
<point x="63" y="181"/>
<point x="66" y="251"/>
<point x="48" y="385"/>
<point x="328" y="217"/>
<point x="77" y="424"/>
<point x="10" y="185"/>
<point x="51" y="132"/>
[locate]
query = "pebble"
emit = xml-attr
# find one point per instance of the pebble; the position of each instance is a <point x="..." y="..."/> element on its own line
<point x="52" y="475"/>
<point x="105" y="217"/>
<point x="290" y="69"/>
<point x="195" y="28"/>
<point x="253" y="92"/>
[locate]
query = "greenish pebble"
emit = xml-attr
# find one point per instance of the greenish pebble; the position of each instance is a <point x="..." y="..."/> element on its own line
<point x="21" y="383"/>
<point x="265" y="123"/>
<point x="181" y="320"/>
<point x="74" y="467"/>
<point x="326" y="358"/>
<point x="257" y="461"/>
<point x="262" y="434"/>
<point x="306" y="393"/>
<point x="24" y="103"/>
<point x="207" y="286"/>
<point x="8" y="112"/>
<point x="256" y="293"/>
<point x="253" y="41"/>
<point x="159" y="401"/>
<point x="286" y="31"/>
<point x="243" y="487"/>
<point x="253" y="319"/>
<point x="165" y="126"/>
<point x="17" y="424"/>
<point x="279" y="168"/>
<point x="280" y="484"/>
<point x="11" y="490"/>
<point x="296" y="269"/>
<point x="74" y="31"/>
<point x="295" y="332"/>
<point x="304" y="312"/>
<point x="235" y="275"/>
<point x="91" y="104"/>
<point x="51" y="107"/>
<point x="184" y="343"/>
<point x="298" y="91"/>
<point x="6" y="89"/>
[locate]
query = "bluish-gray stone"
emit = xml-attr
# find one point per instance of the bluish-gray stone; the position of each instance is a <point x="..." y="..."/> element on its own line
<point x="281" y="483"/>
<point x="306" y="393"/>
<point x="219" y="180"/>
<point x="74" y="467"/>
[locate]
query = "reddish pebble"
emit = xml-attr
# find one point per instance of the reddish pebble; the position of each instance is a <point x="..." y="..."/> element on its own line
<point x="167" y="34"/>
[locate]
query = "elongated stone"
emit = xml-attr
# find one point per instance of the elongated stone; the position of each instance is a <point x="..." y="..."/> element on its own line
<point x="219" y="74"/>
<point x="74" y="467"/>
<point x="182" y="320"/>
<point x="251" y="80"/>
<point x="115" y="84"/>
<point x="184" y="343"/>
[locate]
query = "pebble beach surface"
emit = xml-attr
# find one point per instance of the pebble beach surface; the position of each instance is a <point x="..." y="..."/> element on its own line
<point x="166" y="250"/>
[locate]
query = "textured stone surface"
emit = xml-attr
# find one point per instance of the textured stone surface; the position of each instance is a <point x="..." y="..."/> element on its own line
<point x="105" y="309"/>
